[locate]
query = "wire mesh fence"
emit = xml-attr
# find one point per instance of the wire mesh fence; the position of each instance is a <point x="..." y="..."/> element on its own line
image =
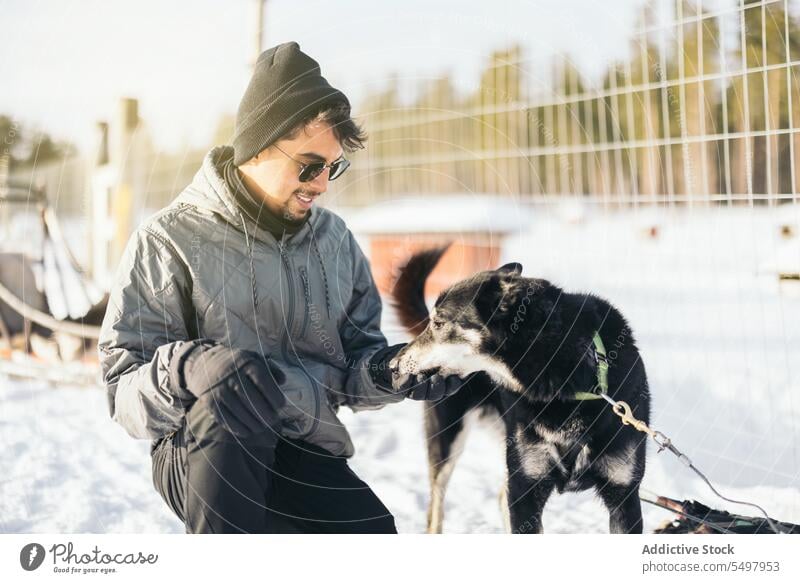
<point x="705" y="108"/>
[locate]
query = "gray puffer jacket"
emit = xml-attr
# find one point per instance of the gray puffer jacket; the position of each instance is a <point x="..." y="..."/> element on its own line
<point x="200" y="269"/>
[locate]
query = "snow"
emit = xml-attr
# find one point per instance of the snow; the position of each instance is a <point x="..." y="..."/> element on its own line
<point x="447" y="213"/>
<point x="718" y="334"/>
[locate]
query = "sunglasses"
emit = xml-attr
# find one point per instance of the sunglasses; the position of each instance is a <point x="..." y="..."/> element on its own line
<point x="309" y="172"/>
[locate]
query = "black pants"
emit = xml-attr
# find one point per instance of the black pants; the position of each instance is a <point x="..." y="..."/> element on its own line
<point x="218" y="483"/>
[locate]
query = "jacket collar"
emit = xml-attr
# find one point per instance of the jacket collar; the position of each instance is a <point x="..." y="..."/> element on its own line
<point x="209" y="191"/>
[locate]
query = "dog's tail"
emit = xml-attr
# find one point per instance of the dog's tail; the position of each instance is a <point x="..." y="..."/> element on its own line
<point x="408" y="294"/>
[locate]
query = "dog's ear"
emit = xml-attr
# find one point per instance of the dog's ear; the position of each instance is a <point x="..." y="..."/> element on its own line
<point x="498" y="295"/>
<point x="487" y="298"/>
<point x="511" y="269"/>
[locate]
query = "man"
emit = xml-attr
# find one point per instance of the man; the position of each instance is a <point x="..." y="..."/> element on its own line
<point x="244" y="315"/>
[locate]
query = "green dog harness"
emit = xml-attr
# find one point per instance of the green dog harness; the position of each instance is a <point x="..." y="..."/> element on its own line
<point x="601" y="388"/>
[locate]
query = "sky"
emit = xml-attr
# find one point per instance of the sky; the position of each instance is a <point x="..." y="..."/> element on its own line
<point x="64" y="64"/>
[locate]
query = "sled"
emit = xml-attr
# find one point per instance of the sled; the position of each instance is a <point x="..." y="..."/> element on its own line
<point x="693" y="517"/>
<point x="48" y="332"/>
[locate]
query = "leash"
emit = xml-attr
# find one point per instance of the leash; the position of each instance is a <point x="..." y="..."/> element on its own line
<point x="624" y="412"/>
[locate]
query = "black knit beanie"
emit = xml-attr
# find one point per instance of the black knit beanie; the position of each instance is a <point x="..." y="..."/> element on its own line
<point x="286" y="87"/>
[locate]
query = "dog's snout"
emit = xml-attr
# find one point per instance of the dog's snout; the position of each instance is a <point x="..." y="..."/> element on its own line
<point x="396" y="361"/>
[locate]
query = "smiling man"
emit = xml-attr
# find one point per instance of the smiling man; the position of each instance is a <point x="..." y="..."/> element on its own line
<point x="243" y="315"/>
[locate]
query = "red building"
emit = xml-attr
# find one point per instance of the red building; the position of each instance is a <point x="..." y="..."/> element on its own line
<point x="475" y="225"/>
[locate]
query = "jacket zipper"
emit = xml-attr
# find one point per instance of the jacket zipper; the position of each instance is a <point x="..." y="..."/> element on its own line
<point x="307" y="293"/>
<point x="285" y="339"/>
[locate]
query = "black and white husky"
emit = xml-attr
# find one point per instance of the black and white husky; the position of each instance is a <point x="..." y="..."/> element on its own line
<point x="535" y="348"/>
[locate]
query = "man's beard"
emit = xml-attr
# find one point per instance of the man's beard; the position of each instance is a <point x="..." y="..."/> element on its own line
<point x="289" y="216"/>
<point x="292" y="217"/>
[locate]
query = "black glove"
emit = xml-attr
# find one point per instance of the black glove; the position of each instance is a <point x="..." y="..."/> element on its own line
<point x="379" y="370"/>
<point x="241" y="387"/>
<point x="425" y="387"/>
<point x="431" y="387"/>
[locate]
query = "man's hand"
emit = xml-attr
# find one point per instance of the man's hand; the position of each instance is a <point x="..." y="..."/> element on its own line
<point x="421" y="387"/>
<point x="240" y="387"/>
<point x="433" y="387"/>
<point x="379" y="369"/>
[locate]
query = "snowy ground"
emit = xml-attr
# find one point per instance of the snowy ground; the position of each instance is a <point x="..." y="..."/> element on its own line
<point x="719" y="335"/>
